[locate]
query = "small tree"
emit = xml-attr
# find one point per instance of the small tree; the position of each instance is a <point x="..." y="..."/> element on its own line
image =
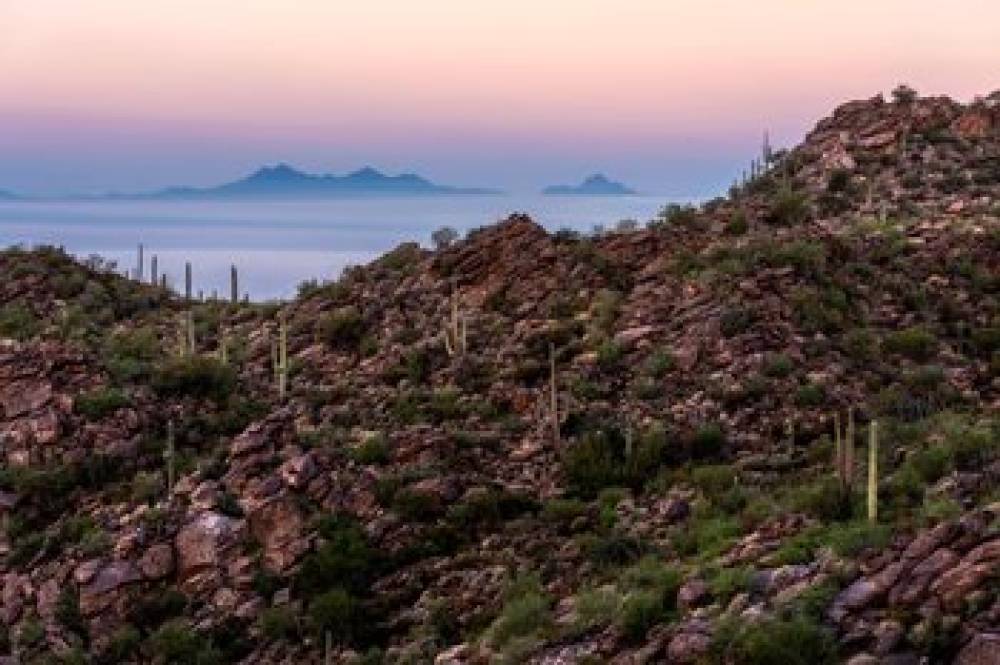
<point x="904" y="94"/>
<point x="444" y="237"/>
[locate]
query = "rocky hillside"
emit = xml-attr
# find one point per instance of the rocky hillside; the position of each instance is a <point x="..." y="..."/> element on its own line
<point x="644" y="446"/>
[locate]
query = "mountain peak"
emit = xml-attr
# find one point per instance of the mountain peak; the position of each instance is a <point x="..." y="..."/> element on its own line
<point x="596" y="184"/>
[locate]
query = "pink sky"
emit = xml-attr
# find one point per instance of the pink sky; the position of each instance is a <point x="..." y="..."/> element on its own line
<point x="669" y="95"/>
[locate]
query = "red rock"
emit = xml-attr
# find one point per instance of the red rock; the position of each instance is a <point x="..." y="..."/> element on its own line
<point x="982" y="649"/>
<point x="278" y="526"/>
<point x="157" y="562"/>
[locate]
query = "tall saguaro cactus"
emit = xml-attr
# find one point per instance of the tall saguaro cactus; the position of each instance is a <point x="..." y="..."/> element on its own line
<point x="553" y="394"/>
<point x="169" y="455"/>
<point x="455" y="331"/>
<point x="152" y="271"/>
<point x="223" y="345"/>
<point x="873" y="471"/>
<point x="234" y="289"/>
<point x="186" y="345"/>
<point x="279" y="356"/>
<point x="187" y="280"/>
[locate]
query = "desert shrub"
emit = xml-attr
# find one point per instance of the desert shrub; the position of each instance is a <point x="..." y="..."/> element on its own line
<point x="278" y="623"/>
<point x="986" y="340"/>
<point x="810" y="395"/>
<point x="18" y="322"/>
<point x="563" y="512"/>
<point x="100" y="403"/>
<point x="727" y="582"/>
<point x="714" y="480"/>
<point x="735" y="320"/>
<point x="596" y="607"/>
<point x="650" y="598"/>
<point x="778" y="366"/>
<point x="336" y="611"/>
<point x="121" y="646"/>
<point x="130" y="355"/>
<point x="609" y="355"/>
<point x="904" y="94"/>
<point x="611" y="548"/>
<point x="341" y="329"/>
<point x="444" y="237"/>
<point x="659" y="363"/>
<point x="708" y="441"/>
<point x="177" y="642"/>
<point x="490" y="507"/>
<point x="776" y="641"/>
<point x="705" y="536"/>
<point x="373" y="450"/>
<point x="526" y="612"/>
<point x="860" y="344"/>
<point x="737" y="224"/>
<point x="789" y="207"/>
<point x="676" y="215"/>
<point x="195" y="376"/>
<point x="916" y="343"/>
<point x="344" y="559"/>
<point x="822" y="499"/>
<point x="414" y="505"/>
<point x="601" y="458"/>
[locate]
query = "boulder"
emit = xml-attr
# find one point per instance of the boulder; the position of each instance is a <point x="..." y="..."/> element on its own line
<point x="982" y="649"/>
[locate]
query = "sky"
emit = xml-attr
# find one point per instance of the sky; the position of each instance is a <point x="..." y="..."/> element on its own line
<point x="670" y="96"/>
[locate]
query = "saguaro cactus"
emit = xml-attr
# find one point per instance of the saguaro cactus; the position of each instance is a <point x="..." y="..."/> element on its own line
<point x="186" y="345"/>
<point x="152" y="271"/>
<point x="873" y="471"/>
<point x="234" y="290"/>
<point x="279" y="356"/>
<point x="849" y="450"/>
<point x="223" y="345"/>
<point x="553" y="394"/>
<point x="187" y="280"/>
<point x="455" y="331"/>
<point x="169" y="455"/>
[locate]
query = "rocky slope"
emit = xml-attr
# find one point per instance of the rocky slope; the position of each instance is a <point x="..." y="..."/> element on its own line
<point x="414" y="498"/>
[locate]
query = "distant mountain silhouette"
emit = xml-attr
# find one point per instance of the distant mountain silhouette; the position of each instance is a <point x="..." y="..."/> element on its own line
<point x="595" y="185"/>
<point x="282" y="181"/>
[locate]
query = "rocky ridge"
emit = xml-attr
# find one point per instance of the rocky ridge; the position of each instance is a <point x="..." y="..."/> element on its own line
<point x="406" y="505"/>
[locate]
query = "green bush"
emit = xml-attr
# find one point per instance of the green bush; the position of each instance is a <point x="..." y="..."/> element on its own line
<point x="727" y="582"/>
<point x="810" y="395"/>
<point x="195" y="376"/>
<point x="916" y="343"/>
<point x="601" y="459"/>
<point x="708" y="441"/>
<point x="789" y="208"/>
<point x="705" y="536"/>
<point x="343" y="559"/>
<point x="776" y="641"/>
<point x="735" y="320"/>
<point x="526" y="612"/>
<point x="651" y="596"/>
<point x="777" y="366"/>
<point x="100" y="403"/>
<point x="130" y="356"/>
<point x="124" y="643"/>
<point x="176" y="642"/>
<point x="342" y="329"/>
<point x="373" y="450"/>
<point x="278" y="623"/>
<point x="823" y="499"/>
<point x="337" y="611"/>
<point x="17" y="322"/>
